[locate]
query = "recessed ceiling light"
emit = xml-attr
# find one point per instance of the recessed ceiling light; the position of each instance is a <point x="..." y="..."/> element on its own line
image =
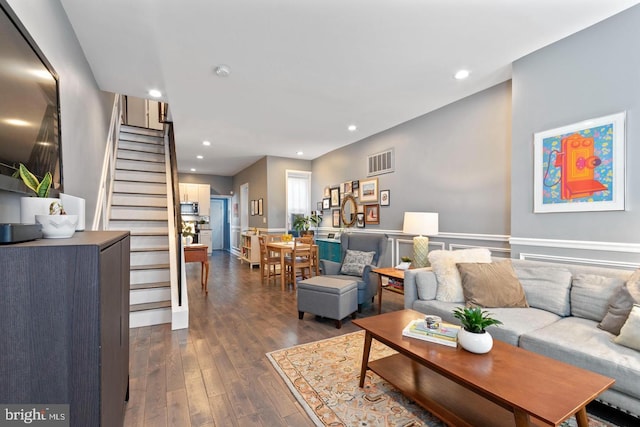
<point x="192" y="169"/>
<point x="199" y="157"/>
<point x="462" y="74"/>
<point x="207" y="143"/>
<point x="352" y="128"/>
<point x="222" y="70"/>
<point x="299" y="153"/>
<point x="16" y="122"/>
<point x="155" y="93"/>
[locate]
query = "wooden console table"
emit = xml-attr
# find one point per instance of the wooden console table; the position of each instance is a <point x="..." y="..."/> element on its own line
<point x="198" y="253"/>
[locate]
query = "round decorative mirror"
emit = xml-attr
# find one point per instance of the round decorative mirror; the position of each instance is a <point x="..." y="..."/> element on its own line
<point x="348" y="211"/>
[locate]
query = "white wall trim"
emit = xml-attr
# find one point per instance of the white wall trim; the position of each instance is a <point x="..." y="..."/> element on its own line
<point x="574" y="260"/>
<point x="396" y="247"/>
<point x="441" y="235"/>
<point x="458" y="246"/>
<point x="577" y="244"/>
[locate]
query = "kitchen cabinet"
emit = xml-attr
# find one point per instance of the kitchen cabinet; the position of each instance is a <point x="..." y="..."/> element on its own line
<point x="205" y="239"/>
<point x="200" y="193"/>
<point x="65" y="325"/>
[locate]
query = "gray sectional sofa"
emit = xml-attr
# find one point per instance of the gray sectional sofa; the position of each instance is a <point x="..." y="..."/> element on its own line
<point x="566" y="303"/>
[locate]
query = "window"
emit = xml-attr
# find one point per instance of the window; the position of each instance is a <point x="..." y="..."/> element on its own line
<point x="298" y="195"/>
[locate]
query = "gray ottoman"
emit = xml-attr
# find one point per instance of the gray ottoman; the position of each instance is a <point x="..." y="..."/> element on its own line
<point x="328" y="297"/>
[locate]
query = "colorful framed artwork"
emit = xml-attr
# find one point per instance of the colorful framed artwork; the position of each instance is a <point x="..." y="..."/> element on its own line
<point x="580" y="167"/>
<point x="327" y="192"/>
<point x="360" y="220"/>
<point x="335" y="218"/>
<point x="326" y="203"/>
<point x="372" y="214"/>
<point x="347" y="187"/>
<point x="260" y="207"/>
<point x="385" y="196"/>
<point x="368" y="190"/>
<point x="335" y="197"/>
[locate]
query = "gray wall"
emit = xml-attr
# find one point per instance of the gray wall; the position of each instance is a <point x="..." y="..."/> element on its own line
<point x="220" y="185"/>
<point x="85" y="110"/>
<point x="590" y="74"/>
<point x="454" y="161"/>
<point x="256" y="176"/>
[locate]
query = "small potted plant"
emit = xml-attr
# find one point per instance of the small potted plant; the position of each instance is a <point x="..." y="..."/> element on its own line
<point x="40" y="204"/>
<point x="302" y="223"/>
<point x="473" y="337"/>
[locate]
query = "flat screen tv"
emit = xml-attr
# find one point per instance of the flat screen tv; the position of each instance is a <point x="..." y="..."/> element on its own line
<point x="29" y="106"/>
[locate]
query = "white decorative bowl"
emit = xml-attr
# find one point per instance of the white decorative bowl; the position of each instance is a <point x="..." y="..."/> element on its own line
<point x="57" y="226"/>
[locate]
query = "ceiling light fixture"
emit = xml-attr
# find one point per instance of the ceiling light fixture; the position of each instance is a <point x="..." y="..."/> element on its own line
<point x="222" y="70"/>
<point x="461" y="75"/>
<point x="192" y="169"/>
<point x="299" y="153"/>
<point x="16" y="122"/>
<point x="199" y="157"/>
<point x="352" y="128"/>
<point x="155" y="93"/>
<point x="206" y="143"/>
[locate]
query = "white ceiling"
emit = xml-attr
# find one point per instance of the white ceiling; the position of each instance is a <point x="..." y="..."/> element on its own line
<point x="302" y="70"/>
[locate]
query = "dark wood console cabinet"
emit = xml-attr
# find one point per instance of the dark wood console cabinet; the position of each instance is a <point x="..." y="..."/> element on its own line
<point x="64" y="325"/>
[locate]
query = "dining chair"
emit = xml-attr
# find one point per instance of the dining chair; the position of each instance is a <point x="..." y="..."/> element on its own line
<point x="268" y="263"/>
<point x="298" y="261"/>
<point x="308" y="239"/>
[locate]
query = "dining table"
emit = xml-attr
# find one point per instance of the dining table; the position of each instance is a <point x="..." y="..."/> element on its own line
<point x="284" y="249"/>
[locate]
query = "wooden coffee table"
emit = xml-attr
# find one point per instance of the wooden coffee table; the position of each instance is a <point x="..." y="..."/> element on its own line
<point x="505" y="387"/>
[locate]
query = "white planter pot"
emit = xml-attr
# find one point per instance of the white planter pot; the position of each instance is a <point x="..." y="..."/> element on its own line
<point x="475" y="343"/>
<point x="32" y="206"/>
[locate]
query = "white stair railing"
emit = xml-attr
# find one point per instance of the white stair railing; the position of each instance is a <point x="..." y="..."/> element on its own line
<point x="100" y="218"/>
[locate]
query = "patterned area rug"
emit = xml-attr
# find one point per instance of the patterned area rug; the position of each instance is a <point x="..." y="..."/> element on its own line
<point x="323" y="376"/>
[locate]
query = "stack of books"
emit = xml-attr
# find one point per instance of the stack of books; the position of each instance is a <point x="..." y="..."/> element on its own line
<point x="445" y="334"/>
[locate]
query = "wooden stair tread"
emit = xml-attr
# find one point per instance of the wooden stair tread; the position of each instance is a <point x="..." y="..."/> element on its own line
<point x="153" y="285"/>
<point x="148" y="233"/>
<point x="150" y="267"/>
<point x="152" y="249"/>
<point x="150" y="306"/>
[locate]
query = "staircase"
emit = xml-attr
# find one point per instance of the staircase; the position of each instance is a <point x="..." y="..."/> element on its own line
<point x="139" y="204"/>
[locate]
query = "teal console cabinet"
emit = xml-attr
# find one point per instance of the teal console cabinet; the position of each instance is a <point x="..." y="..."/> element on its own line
<point x="329" y="249"/>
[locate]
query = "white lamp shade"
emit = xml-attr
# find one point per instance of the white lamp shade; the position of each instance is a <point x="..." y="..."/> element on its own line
<point x="420" y="223"/>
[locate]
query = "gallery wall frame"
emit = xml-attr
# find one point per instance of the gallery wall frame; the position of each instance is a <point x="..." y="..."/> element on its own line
<point x="581" y="166"/>
<point x="253" y="207"/>
<point x="385" y="197"/>
<point x="260" y="207"/>
<point x="335" y="197"/>
<point x="335" y="215"/>
<point x="326" y="203"/>
<point x="360" y="220"/>
<point x="372" y="214"/>
<point x="368" y="190"/>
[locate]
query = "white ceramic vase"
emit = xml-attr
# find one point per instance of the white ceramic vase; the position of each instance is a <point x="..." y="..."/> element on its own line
<point x="32" y="206"/>
<point x="475" y="343"/>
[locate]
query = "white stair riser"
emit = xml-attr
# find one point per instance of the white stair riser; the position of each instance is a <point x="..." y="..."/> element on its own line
<point x="139" y="188"/>
<point x="137" y="155"/>
<point x="137" y="277"/>
<point x="138" y="319"/>
<point x="139" y="166"/>
<point x="136" y="137"/>
<point x="159" y="201"/>
<point x="141" y="131"/>
<point x="138" y="146"/>
<point x="149" y="241"/>
<point x="140" y="176"/>
<point x="151" y="214"/>
<point x="149" y="258"/>
<point x="141" y="296"/>
<point x="138" y="225"/>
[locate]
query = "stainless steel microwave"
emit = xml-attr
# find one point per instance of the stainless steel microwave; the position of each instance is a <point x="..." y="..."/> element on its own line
<point x="189" y="208"/>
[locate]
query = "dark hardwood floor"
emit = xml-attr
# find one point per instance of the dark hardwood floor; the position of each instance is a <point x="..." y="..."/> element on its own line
<point x="216" y="373"/>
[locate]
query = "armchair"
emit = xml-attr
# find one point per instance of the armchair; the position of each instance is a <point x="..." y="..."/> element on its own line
<point x="368" y="281"/>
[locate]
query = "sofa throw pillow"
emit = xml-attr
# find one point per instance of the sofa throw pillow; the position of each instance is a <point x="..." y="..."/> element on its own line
<point x="354" y="262"/>
<point x="590" y="295"/>
<point x="546" y="288"/>
<point x="620" y="305"/>
<point x="630" y="331"/>
<point x="443" y="264"/>
<point x="491" y="285"/>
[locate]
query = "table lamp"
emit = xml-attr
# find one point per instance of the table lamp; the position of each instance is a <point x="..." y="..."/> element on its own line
<point x="420" y="224"/>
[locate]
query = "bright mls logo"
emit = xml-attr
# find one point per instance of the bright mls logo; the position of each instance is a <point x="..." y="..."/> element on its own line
<point x="35" y="415"/>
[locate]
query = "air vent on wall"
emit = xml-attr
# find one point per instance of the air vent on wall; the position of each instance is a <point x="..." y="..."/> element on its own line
<point x="380" y="163"/>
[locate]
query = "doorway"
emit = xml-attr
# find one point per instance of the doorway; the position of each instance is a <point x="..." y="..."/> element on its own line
<point x="219" y="223"/>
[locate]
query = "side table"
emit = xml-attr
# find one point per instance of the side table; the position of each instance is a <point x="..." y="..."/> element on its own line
<point x="198" y="253"/>
<point x="390" y="273"/>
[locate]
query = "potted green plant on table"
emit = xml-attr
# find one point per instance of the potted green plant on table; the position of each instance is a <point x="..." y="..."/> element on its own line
<point x="187" y="233"/>
<point x="405" y="264"/>
<point x="303" y="223"/>
<point x="40" y="204"/>
<point x="473" y="337"/>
